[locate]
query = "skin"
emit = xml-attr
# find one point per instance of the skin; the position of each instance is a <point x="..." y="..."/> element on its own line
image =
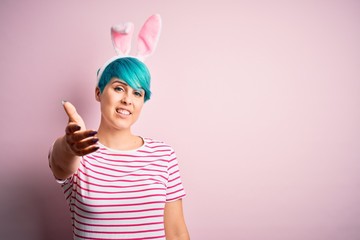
<point x="120" y="107"/>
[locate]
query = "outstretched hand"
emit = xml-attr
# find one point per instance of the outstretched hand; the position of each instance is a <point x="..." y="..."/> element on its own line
<point x="79" y="140"/>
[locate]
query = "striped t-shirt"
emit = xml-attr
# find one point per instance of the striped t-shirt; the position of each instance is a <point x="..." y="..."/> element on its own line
<point x="121" y="194"/>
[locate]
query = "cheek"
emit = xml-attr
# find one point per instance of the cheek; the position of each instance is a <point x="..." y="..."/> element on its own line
<point x="106" y="102"/>
<point x="139" y="107"/>
<point x="109" y="98"/>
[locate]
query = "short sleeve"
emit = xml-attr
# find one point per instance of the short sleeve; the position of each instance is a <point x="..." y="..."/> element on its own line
<point x="175" y="189"/>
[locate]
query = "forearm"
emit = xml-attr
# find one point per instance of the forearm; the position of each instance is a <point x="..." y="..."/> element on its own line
<point x="174" y="221"/>
<point x="63" y="161"/>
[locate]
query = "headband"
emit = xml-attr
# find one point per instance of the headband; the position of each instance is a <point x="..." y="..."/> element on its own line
<point x="146" y="43"/>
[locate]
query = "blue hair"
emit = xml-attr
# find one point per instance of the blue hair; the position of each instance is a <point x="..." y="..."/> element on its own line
<point x="132" y="71"/>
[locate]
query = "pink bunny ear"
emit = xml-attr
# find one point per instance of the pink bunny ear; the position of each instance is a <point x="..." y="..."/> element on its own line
<point x="121" y="38"/>
<point x="149" y="36"/>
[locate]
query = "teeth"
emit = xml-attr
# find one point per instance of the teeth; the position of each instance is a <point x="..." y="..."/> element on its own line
<point x="123" y="111"/>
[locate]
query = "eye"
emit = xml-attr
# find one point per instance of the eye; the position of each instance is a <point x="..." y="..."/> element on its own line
<point x="138" y="93"/>
<point x="118" y="89"/>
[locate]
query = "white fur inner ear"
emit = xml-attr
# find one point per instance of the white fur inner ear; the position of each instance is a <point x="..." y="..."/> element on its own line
<point x="121" y="36"/>
<point x="123" y="28"/>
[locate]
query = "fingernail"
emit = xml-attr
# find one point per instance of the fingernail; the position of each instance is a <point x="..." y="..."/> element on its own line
<point x="95" y="140"/>
<point x="93" y="133"/>
<point x="63" y="102"/>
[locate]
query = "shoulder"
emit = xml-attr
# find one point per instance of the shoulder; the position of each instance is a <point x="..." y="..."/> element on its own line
<point x="154" y="142"/>
<point x="157" y="145"/>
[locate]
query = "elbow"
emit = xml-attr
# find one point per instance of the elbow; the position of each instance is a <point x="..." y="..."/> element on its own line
<point x="178" y="236"/>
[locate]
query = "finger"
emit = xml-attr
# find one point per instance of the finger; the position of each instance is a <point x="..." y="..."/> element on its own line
<point x="79" y="136"/>
<point x="71" y="128"/>
<point x="88" y="150"/>
<point x="72" y="113"/>
<point x="79" y="146"/>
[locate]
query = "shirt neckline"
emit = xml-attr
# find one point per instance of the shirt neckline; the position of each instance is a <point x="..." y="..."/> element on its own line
<point x="124" y="151"/>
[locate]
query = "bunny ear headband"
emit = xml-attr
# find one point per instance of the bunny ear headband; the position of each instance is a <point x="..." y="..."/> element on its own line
<point x="146" y="43"/>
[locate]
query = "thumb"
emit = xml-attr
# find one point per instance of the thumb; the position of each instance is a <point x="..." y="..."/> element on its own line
<point x="72" y="114"/>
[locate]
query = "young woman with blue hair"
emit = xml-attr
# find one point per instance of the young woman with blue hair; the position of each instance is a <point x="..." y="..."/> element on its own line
<point x="119" y="185"/>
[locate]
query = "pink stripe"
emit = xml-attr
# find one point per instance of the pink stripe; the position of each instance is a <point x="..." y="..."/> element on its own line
<point x="172" y="166"/>
<point x="115" y="205"/>
<point x="116" y="170"/>
<point x="119" y="225"/>
<point x="116" y="219"/>
<point x="125" y="198"/>
<point x="141" y="169"/>
<point x="147" y="152"/>
<point x="116" y="180"/>
<point x="120" y="212"/>
<point x="67" y="189"/>
<point x="171" y="193"/>
<point x="177" y="171"/>
<point x="67" y="198"/>
<point x="169" y="187"/>
<point x="171" y="180"/>
<point x="157" y="145"/>
<point x="111" y="186"/>
<point x="175" y="198"/>
<point x="124" y="161"/>
<point x="100" y="151"/>
<point x="116" y="192"/>
<point x="127" y="232"/>
<point x="102" y="238"/>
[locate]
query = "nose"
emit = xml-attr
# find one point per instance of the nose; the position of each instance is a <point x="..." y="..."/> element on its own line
<point x="126" y="99"/>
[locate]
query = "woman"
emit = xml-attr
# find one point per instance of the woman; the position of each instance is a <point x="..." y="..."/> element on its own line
<point x="119" y="185"/>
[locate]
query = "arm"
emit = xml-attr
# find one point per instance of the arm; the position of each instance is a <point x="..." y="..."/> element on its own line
<point x="64" y="159"/>
<point x="175" y="227"/>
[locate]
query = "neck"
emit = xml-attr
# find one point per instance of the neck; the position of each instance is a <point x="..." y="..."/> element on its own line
<point x="118" y="139"/>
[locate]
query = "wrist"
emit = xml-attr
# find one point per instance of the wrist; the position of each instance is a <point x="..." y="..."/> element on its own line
<point x="66" y="147"/>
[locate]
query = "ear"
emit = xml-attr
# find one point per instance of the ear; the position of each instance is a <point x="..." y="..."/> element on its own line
<point x="97" y="94"/>
<point x="149" y="36"/>
<point x="121" y="37"/>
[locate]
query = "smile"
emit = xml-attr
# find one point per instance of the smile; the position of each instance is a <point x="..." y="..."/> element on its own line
<point x="123" y="111"/>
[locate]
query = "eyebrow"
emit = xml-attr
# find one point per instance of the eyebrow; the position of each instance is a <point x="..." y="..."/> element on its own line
<point x="120" y="81"/>
<point x="124" y="83"/>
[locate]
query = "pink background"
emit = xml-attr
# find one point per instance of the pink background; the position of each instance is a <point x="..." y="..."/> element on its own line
<point x="260" y="100"/>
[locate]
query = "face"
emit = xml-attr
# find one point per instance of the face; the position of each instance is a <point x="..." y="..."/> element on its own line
<point x="120" y="104"/>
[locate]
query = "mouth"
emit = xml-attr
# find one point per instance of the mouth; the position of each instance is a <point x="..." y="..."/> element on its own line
<point x="123" y="111"/>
